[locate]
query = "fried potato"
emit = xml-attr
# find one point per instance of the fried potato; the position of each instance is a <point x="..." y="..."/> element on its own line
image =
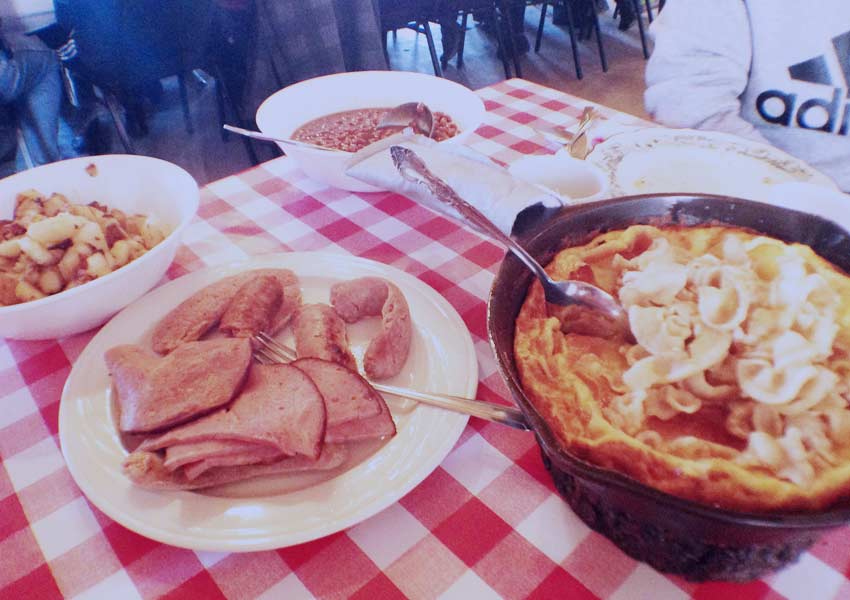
<point x="53" y="244"/>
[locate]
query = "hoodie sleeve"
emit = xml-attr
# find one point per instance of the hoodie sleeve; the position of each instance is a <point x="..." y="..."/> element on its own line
<point x="700" y="66"/>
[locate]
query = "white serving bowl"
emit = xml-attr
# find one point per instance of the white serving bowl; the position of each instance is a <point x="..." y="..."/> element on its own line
<point x="572" y="179"/>
<point x="286" y="110"/>
<point x="134" y="184"/>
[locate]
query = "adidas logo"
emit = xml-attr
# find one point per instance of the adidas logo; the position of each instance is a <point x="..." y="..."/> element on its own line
<point x="829" y="115"/>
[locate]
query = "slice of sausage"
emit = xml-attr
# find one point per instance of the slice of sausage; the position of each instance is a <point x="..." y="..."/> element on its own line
<point x="253" y="308"/>
<point x="279" y="406"/>
<point x="146" y="469"/>
<point x="371" y="296"/>
<point x="348" y="397"/>
<point x="320" y="333"/>
<point x="200" y="312"/>
<point x="183" y="454"/>
<point x="155" y="392"/>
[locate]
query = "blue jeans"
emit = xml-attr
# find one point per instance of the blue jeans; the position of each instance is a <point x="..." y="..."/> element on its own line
<point x="30" y="81"/>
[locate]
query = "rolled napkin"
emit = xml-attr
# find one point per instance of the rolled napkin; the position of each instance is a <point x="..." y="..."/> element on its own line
<point x="475" y="178"/>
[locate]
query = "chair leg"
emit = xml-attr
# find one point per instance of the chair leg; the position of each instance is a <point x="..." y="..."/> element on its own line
<point x="384" y="45"/>
<point x="539" y="37"/>
<point x="184" y="103"/>
<point x="222" y="111"/>
<point x="572" y="31"/>
<point x="648" y="10"/>
<point x="113" y="106"/>
<point x="501" y="45"/>
<point x="599" y="45"/>
<point x="506" y="14"/>
<point x="462" y="42"/>
<point x="227" y="104"/>
<point x="640" y="27"/>
<point x="432" y="49"/>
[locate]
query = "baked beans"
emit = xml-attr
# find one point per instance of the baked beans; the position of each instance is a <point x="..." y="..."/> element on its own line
<point x="351" y="130"/>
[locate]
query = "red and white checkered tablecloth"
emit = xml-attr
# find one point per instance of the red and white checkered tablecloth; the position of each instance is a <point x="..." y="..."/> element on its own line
<point x="486" y="523"/>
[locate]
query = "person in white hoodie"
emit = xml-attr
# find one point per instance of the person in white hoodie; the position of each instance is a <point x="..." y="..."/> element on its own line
<point x="776" y="71"/>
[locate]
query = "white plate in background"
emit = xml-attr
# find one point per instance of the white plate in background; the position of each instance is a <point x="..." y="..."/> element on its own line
<point x="657" y="159"/>
<point x="442" y="360"/>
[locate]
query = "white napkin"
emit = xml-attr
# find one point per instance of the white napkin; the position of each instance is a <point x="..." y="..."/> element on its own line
<point x="476" y="179"/>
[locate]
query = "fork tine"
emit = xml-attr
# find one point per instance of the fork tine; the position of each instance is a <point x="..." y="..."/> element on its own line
<point x="262" y="357"/>
<point x="272" y="345"/>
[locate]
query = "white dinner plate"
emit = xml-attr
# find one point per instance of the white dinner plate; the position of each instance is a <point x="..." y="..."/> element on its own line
<point x="258" y="516"/>
<point x="657" y="159"/>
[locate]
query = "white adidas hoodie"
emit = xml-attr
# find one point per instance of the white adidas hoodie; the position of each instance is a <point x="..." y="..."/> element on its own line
<point x="774" y="70"/>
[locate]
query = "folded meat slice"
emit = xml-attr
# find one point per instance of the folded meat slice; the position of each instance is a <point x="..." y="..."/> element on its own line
<point x="372" y="296"/>
<point x="348" y="397"/>
<point x="356" y="411"/>
<point x="200" y="312"/>
<point x="183" y="454"/>
<point x="320" y="333"/>
<point x="279" y="406"/>
<point x="249" y="456"/>
<point x="253" y="308"/>
<point x="146" y="469"/>
<point x="368" y="428"/>
<point x="156" y="392"/>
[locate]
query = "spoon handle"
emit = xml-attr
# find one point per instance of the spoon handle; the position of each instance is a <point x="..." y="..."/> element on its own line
<point x="409" y="163"/>
<point x="268" y="138"/>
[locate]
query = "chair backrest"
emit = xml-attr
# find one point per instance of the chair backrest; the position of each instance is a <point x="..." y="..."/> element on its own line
<point x="126" y="43"/>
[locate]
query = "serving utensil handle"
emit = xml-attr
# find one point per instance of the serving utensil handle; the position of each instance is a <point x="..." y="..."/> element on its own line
<point x="505" y="415"/>
<point x="409" y="163"/>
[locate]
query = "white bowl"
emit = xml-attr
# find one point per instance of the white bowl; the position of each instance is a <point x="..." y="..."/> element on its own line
<point x="286" y="110"/>
<point x="134" y="184"/>
<point x="572" y="179"/>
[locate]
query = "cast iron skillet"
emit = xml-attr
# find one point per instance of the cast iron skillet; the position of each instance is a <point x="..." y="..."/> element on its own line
<point x="674" y="535"/>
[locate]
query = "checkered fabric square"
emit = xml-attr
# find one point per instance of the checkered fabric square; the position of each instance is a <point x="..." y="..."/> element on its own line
<point x="487" y="523"/>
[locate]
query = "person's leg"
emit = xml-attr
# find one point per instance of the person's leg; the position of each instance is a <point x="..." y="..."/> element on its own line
<point x="38" y="101"/>
<point x="517" y="10"/>
<point x="447" y="13"/>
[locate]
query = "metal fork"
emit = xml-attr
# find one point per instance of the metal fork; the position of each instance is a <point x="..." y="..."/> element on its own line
<point x="268" y="350"/>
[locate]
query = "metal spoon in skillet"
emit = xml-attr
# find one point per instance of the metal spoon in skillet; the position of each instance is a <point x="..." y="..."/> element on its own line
<point x="573" y="294"/>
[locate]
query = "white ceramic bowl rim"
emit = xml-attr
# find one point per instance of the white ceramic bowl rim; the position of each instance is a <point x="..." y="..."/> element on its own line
<point x="354" y="75"/>
<point x="126" y="269"/>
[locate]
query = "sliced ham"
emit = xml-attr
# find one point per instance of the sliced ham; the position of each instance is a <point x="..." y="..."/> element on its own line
<point x="253" y="308"/>
<point x="249" y="456"/>
<point x="201" y="311"/>
<point x="279" y="406"/>
<point x="157" y="392"/>
<point x="372" y="296"/>
<point x="347" y="395"/>
<point x="375" y="427"/>
<point x="320" y="333"/>
<point x="182" y="454"/>
<point x="146" y="469"/>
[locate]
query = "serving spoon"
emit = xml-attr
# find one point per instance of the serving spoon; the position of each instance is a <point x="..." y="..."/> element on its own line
<point x="570" y="293"/>
<point x="410" y="114"/>
<point x="270" y="138"/>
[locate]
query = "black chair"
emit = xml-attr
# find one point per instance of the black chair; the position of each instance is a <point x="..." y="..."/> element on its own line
<point x="409" y="14"/>
<point x="498" y="13"/>
<point x="125" y="47"/>
<point x="574" y="11"/>
<point x="419" y="14"/>
<point x="636" y="11"/>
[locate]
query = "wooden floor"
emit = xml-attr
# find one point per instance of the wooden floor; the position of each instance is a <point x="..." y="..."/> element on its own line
<point x="621" y="87"/>
<point x="208" y="157"/>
